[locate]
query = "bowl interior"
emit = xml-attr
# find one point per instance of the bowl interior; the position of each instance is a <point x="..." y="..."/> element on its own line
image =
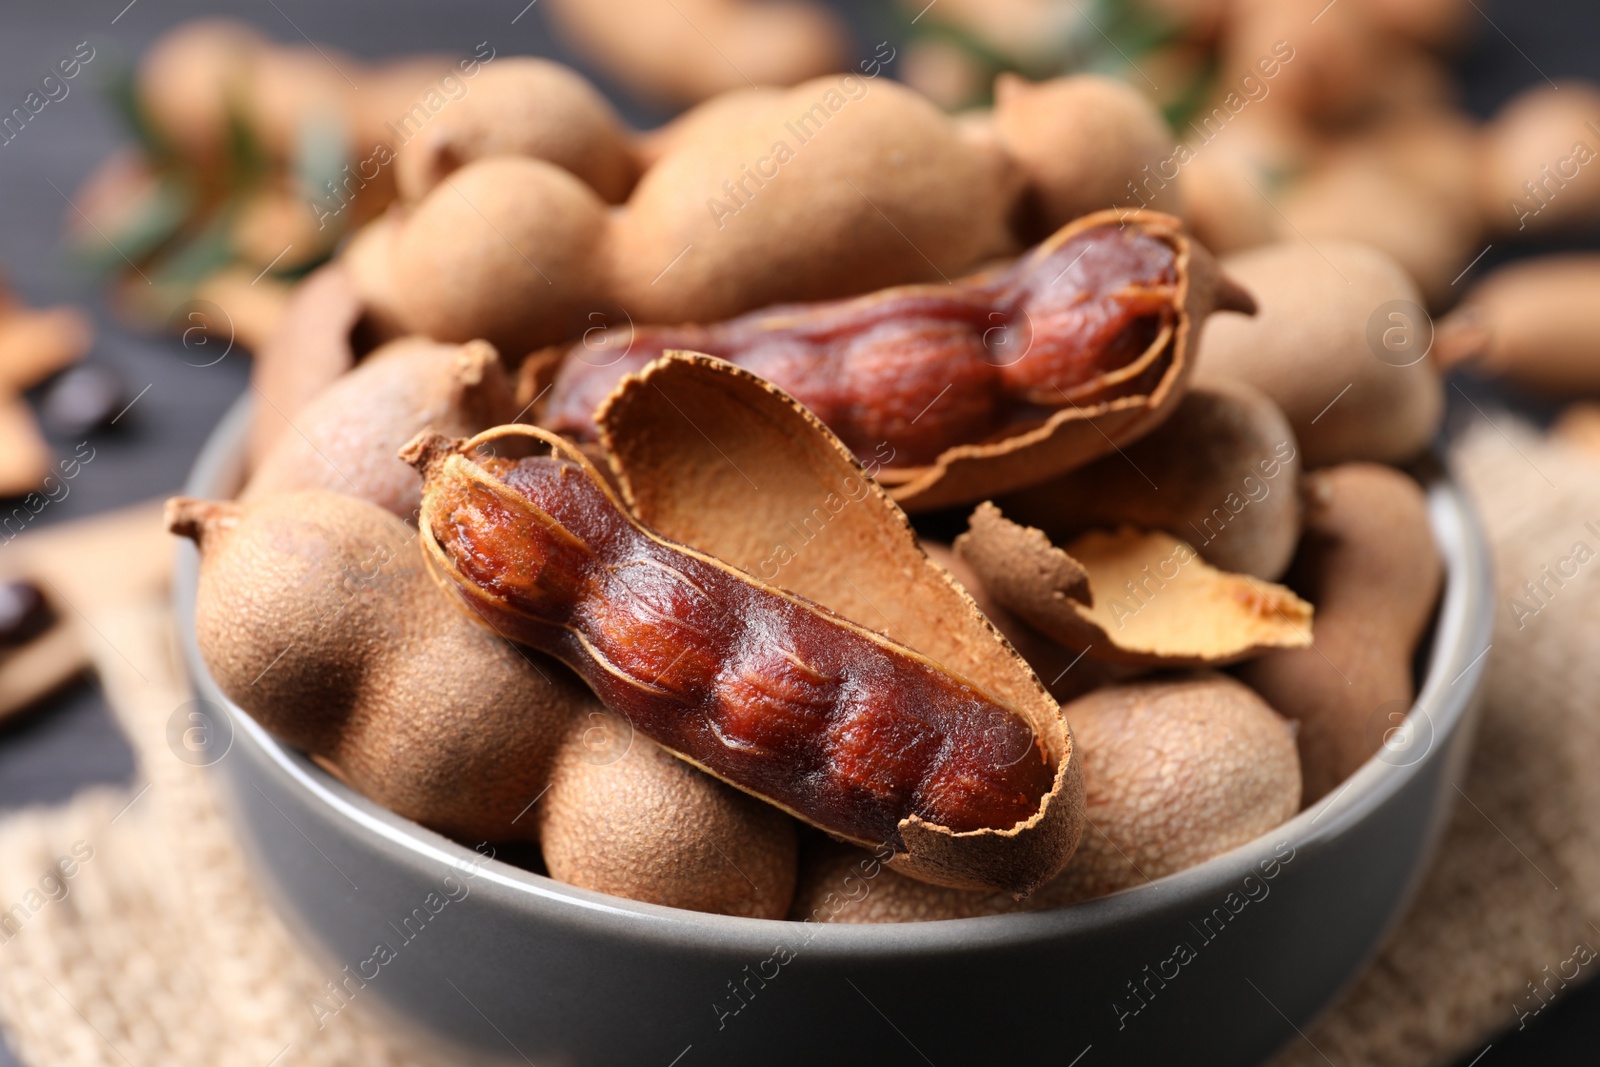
<point x="1452" y="662"/>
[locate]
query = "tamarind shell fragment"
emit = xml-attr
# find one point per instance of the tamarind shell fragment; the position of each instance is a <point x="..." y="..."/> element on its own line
<point x="1157" y="604"/>
<point x="835" y="723"/>
<point x="718" y="458"/>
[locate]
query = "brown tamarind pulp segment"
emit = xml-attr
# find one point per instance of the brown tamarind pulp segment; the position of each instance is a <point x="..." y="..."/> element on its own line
<point x="715" y="457"/>
<point x="847" y="729"/>
<point x="1089" y="317"/>
<point x="1131" y="596"/>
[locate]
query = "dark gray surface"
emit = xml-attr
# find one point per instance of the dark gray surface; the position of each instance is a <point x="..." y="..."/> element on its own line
<point x="72" y="742"/>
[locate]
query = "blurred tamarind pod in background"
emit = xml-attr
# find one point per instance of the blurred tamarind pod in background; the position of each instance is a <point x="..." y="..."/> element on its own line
<point x="1535" y="323"/>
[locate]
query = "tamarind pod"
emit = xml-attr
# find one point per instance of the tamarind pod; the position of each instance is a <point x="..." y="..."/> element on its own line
<point x="345" y="439"/>
<point x="840" y="726"/>
<point x="309" y="349"/>
<point x="1533" y="323"/>
<point x="1090" y="316"/>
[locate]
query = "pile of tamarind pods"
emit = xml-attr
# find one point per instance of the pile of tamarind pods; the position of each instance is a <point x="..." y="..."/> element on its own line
<point x="820" y="481"/>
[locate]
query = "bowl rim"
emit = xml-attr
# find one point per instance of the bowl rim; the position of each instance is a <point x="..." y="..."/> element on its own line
<point x="1461" y="638"/>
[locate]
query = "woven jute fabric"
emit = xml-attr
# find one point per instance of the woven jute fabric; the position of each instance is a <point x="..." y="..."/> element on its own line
<point x="158" y="949"/>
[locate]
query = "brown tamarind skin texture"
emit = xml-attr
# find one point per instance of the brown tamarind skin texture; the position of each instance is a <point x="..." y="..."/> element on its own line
<point x="923" y="368"/>
<point x="836" y="724"/>
<point x="315" y="613"/>
<point x="1369" y="563"/>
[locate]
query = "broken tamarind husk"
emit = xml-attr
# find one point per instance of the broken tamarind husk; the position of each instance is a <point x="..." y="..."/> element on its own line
<point x="1131" y="596"/>
<point x="821" y="527"/>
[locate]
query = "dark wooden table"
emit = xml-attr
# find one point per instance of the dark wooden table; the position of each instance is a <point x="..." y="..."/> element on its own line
<point x="72" y="741"/>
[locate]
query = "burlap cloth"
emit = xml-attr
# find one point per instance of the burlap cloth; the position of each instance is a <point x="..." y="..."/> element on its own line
<point x="160" y="951"/>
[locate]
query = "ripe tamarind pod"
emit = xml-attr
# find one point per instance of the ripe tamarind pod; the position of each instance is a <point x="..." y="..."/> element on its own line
<point x="1531" y="322"/>
<point x="692" y="49"/>
<point x="307" y="351"/>
<point x="622" y="816"/>
<point x="1131" y="597"/>
<point x="841" y="726"/>
<point x="1222" y="472"/>
<point x="822" y="528"/>
<point x="1046" y="128"/>
<point x="524" y="106"/>
<point x="1535" y="167"/>
<point x="1368" y="561"/>
<point x="346" y="438"/>
<point x="1016" y="374"/>
<point x="316" y="614"/>
<point x="1180" y="769"/>
<point x="1339" y="345"/>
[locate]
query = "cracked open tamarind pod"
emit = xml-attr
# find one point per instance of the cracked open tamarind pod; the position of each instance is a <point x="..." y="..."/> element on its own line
<point x="1094" y="322"/>
<point x="841" y="726"/>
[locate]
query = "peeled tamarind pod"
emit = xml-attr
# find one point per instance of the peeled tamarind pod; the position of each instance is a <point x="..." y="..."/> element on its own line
<point x="1339" y="345"/>
<point x="842" y="727"/>
<point x="308" y="349"/>
<point x="523" y="106"/>
<point x="1369" y="563"/>
<point x="345" y="440"/>
<point x="1048" y="128"/>
<point x="1222" y="473"/>
<point x="622" y="816"/>
<point x="1179" y="770"/>
<point x="1533" y="322"/>
<point x="316" y="614"/>
<point x="969" y="389"/>
<point x="820" y="527"/>
<point x="1536" y="167"/>
<point x="691" y="49"/>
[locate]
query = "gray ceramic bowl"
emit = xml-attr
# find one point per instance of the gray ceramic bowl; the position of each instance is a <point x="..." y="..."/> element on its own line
<point x="1218" y="964"/>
